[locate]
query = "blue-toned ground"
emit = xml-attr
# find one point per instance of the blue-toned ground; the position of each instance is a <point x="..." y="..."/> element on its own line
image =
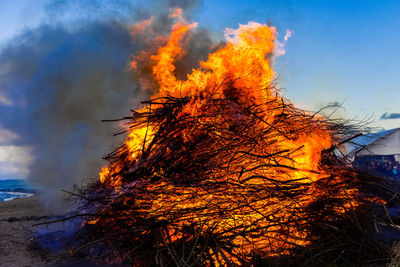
<point x="11" y="189"/>
<point x="17" y="246"/>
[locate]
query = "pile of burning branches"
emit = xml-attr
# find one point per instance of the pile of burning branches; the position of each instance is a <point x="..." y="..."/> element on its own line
<point x="221" y="186"/>
<point x="221" y="170"/>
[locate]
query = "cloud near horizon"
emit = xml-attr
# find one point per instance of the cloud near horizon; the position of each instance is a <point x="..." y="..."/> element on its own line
<point x="390" y="116"/>
<point x="14" y="162"/>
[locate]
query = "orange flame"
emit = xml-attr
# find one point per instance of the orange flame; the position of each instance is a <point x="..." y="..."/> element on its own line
<point x="238" y="70"/>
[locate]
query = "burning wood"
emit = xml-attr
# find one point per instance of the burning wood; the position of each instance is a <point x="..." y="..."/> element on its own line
<point x="219" y="169"/>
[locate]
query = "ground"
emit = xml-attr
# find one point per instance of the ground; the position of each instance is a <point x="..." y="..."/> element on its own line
<point x="17" y="248"/>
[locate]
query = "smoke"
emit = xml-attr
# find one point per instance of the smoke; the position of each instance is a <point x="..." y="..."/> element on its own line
<point x="61" y="83"/>
<point x="280" y="49"/>
<point x="59" y="80"/>
<point x="390" y="116"/>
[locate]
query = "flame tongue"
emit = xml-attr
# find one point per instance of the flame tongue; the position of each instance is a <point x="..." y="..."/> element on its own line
<point x="221" y="153"/>
<point x="244" y="63"/>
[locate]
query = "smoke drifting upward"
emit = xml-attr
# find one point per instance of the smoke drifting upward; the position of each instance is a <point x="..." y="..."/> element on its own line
<point x="58" y="82"/>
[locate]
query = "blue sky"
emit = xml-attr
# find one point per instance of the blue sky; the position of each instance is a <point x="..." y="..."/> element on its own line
<point x="346" y="51"/>
<point x="341" y="51"/>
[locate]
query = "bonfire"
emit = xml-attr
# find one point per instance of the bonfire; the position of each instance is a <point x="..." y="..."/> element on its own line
<point x="220" y="169"/>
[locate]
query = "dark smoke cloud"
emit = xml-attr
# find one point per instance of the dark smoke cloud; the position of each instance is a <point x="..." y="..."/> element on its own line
<point x="58" y="81"/>
<point x="389" y="116"/>
<point x="184" y="4"/>
<point x="199" y="47"/>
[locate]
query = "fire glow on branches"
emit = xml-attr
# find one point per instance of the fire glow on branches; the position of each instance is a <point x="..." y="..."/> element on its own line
<point x="217" y="168"/>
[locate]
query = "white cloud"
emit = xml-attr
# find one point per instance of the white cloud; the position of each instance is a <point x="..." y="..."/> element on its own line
<point x="14" y="161"/>
<point x="15" y="154"/>
<point x="5" y="101"/>
<point x="9" y="170"/>
<point x="6" y="136"/>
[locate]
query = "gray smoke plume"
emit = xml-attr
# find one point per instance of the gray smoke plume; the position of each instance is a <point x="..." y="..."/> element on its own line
<point x="58" y="81"/>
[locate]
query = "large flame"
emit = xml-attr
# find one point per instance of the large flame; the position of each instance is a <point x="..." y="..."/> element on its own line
<point x="243" y="64"/>
<point x="240" y="70"/>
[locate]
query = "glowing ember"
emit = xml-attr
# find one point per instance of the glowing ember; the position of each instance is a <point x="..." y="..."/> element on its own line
<point x="220" y="162"/>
